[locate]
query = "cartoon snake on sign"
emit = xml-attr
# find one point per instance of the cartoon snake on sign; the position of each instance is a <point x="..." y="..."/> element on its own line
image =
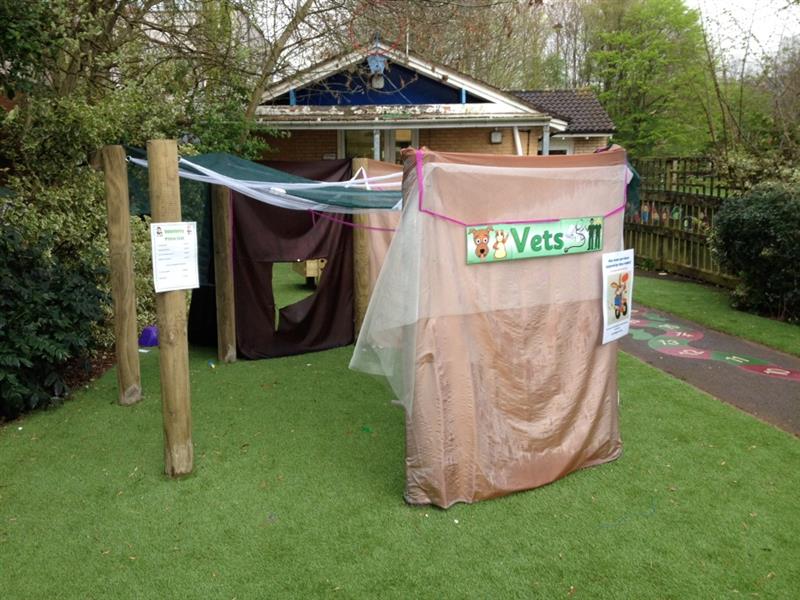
<point x="575" y="236"/>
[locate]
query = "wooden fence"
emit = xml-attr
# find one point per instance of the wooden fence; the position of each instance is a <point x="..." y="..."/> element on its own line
<point x="670" y="227"/>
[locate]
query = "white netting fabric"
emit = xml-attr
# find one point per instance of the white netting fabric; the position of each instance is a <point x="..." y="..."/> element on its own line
<point x="425" y="281"/>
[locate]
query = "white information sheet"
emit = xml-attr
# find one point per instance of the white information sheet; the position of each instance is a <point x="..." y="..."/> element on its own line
<point x="174" y="256"/>
<point x="617" y="294"/>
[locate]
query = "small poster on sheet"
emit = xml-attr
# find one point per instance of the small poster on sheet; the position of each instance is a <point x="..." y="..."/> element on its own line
<point x="174" y="256"/>
<point x="617" y="294"/>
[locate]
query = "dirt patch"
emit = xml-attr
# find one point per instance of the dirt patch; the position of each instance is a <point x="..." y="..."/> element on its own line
<point x="80" y="372"/>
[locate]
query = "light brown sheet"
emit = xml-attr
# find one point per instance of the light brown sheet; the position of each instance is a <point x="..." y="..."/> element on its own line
<point x="499" y="366"/>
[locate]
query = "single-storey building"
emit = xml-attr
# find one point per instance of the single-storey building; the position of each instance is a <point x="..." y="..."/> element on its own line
<point x="373" y="102"/>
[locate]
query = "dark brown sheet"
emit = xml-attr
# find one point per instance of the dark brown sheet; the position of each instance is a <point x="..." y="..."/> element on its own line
<point x="265" y="234"/>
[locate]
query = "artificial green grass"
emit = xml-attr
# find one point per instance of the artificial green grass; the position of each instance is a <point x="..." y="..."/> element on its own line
<point x="288" y="286"/>
<point x="297" y="492"/>
<point x="709" y="306"/>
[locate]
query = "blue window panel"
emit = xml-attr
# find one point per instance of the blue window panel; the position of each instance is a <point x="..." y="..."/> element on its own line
<point x="401" y="86"/>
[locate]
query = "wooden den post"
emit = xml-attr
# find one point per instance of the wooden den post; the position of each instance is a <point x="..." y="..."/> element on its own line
<point x="360" y="261"/>
<point x="123" y="291"/>
<point x="223" y="274"/>
<point x="165" y="204"/>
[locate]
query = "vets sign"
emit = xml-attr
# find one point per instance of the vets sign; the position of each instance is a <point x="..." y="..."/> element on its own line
<point x="501" y="242"/>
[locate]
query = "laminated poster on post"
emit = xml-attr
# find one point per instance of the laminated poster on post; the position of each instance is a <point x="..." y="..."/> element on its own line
<point x="617" y="294"/>
<point x="174" y="256"/>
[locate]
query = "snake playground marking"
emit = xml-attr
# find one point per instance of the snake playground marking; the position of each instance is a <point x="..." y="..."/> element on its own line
<point x="674" y="340"/>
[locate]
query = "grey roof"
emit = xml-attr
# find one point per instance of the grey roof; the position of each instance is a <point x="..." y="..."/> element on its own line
<point x="580" y="108"/>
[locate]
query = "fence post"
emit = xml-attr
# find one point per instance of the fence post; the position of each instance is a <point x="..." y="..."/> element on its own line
<point x="165" y="204"/>
<point x="223" y="274"/>
<point x="673" y="186"/>
<point x="360" y="260"/>
<point x="123" y="291"/>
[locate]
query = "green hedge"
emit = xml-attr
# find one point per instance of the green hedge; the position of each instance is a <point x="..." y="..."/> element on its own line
<point x="757" y="236"/>
<point x="48" y="310"/>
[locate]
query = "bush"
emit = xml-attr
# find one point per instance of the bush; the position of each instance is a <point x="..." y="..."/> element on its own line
<point x="143" y="272"/>
<point x="757" y="236"/>
<point x="47" y="311"/>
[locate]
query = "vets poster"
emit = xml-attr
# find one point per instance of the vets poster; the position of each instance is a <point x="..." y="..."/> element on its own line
<point x="174" y="256"/>
<point x="617" y="294"/>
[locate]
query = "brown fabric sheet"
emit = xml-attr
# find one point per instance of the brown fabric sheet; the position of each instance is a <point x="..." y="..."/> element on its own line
<point x="614" y="156"/>
<point x="509" y="420"/>
<point x="318" y="170"/>
<point x="265" y="234"/>
<point x="371" y="240"/>
<point x="379" y="241"/>
<point x="499" y="366"/>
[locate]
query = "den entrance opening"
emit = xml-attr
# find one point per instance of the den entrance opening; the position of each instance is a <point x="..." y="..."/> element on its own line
<point x="295" y="281"/>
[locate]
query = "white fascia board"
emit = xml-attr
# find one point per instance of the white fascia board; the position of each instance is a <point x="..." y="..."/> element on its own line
<point x="580" y="135"/>
<point x="443" y="74"/>
<point x="402" y="124"/>
<point x="388" y="116"/>
<point x="315" y="73"/>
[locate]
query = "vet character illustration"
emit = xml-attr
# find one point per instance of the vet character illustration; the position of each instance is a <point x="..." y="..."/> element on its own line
<point x="575" y="237"/>
<point x="592" y="234"/>
<point x="620" y="288"/>
<point x="499" y="246"/>
<point x="481" y="239"/>
<point x="595" y="229"/>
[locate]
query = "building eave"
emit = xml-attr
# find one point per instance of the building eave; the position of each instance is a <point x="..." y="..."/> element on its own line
<point x="405" y="124"/>
<point x="432" y="70"/>
<point x="401" y="116"/>
<point x="580" y="134"/>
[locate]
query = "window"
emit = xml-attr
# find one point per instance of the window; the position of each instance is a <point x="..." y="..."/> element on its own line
<point x="559" y="146"/>
<point x="403" y="138"/>
<point x="359" y="143"/>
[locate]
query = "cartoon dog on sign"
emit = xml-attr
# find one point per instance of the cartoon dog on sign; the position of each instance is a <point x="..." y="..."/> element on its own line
<point x="481" y="239"/>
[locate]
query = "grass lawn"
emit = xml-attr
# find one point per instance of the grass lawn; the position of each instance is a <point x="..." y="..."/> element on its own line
<point x="288" y="286"/>
<point x="709" y="306"/>
<point x="297" y="492"/>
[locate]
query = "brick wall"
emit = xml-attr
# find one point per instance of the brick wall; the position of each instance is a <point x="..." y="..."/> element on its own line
<point x="477" y="140"/>
<point x="302" y="144"/>
<point x="583" y="146"/>
<point x="315" y="144"/>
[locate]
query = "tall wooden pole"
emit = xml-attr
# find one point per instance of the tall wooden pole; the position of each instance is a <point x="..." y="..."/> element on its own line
<point x="123" y="291"/>
<point x="165" y="204"/>
<point x="360" y="261"/>
<point x="223" y="273"/>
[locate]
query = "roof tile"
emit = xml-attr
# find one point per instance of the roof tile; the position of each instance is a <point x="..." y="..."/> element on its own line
<point x="580" y="108"/>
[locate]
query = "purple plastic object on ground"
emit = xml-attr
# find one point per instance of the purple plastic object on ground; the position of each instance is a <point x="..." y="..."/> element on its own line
<point x="149" y="336"/>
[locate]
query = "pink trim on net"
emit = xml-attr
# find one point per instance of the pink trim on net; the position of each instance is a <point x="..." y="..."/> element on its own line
<point x="420" y="192"/>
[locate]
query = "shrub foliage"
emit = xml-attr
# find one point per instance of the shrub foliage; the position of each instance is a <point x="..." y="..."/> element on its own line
<point x="757" y="236"/>
<point x="47" y="312"/>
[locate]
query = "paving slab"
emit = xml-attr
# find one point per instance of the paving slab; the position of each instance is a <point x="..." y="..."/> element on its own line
<point x="754" y="378"/>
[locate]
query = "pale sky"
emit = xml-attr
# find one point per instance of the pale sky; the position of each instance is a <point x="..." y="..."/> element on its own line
<point x="729" y="21"/>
